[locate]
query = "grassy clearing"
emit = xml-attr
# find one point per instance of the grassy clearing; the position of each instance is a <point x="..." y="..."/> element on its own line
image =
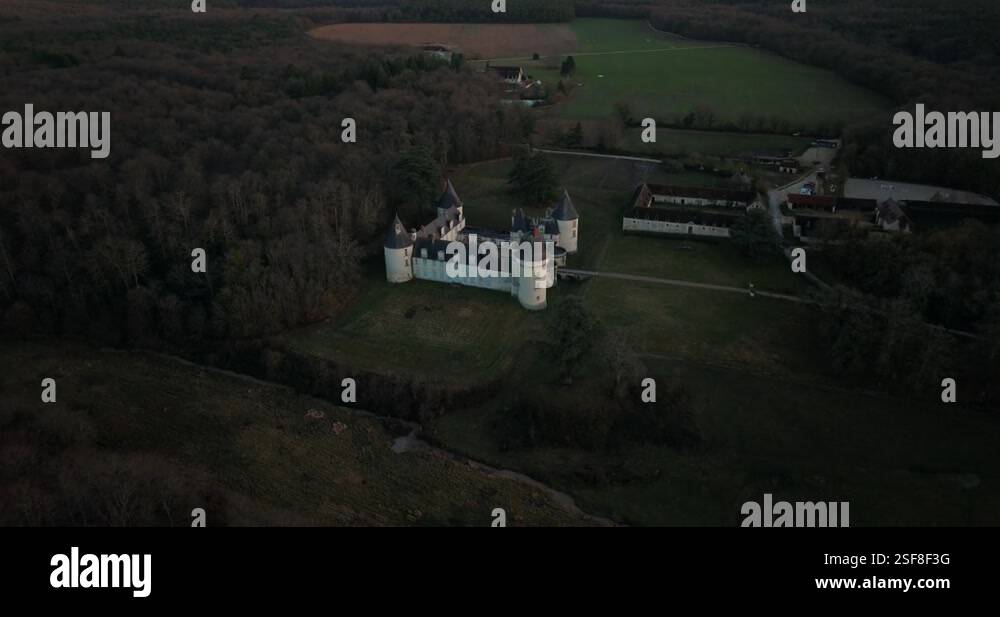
<point x="273" y="463"/>
<point x="676" y="142"/>
<point x="703" y="261"/>
<point x="665" y="77"/>
<point x="433" y="331"/>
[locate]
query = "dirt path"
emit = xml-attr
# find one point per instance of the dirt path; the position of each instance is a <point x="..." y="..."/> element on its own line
<point x="689" y="284"/>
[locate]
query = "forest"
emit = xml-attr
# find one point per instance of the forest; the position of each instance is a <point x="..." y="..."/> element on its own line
<point x="226" y="137"/>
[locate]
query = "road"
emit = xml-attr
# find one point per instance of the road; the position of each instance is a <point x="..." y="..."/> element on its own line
<point x="678" y="283"/>
<point x="743" y="291"/>
<point x="775" y="197"/>
<point x="600" y="156"/>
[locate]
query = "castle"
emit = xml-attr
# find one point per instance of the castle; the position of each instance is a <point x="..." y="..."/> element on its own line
<point x="425" y="253"/>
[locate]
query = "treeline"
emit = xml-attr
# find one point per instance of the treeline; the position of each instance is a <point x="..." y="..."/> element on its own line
<point x="888" y="320"/>
<point x="237" y="152"/>
<point x="406" y="397"/>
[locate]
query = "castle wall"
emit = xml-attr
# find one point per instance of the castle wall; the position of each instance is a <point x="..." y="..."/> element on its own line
<point x="436" y="270"/>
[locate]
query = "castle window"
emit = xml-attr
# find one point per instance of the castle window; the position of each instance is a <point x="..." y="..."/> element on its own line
<point x="423" y="253"/>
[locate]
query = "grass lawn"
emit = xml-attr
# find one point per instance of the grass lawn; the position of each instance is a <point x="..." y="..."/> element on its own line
<point x="672" y="142"/>
<point x="253" y="442"/>
<point x="666" y="77"/>
<point x="434" y="331"/>
<point x="703" y="261"/>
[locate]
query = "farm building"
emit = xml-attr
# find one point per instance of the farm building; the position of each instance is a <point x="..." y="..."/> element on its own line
<point x="513" y="75"/>
<point x="701" y="196"/>
<point x="943" y="214"/>
<point x="813" y="213"/>
<point x="889" y="216"/>
<point x="789" y="166"/>
<point x="437" y="50"/>
<point x="772" y="158"/>
<point x="526" y="262"/>
<point x="691" y="211"/>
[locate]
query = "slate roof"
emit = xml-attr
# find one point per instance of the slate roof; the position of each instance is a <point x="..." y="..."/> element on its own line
<point x="564" y="210"/>
<point x="507" y="72"/>
<point x="397" y="237"/>
<point x="449" y="198"/>
<point x="519" y="222"/>
<point x="746" y="197"/>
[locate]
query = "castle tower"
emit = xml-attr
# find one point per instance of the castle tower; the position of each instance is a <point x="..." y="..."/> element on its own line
<point x="569" y="223"/>
<point x="449" y="199"/>
<point x="533" y="271"/>
<point x="519" y="226"/>
<point x="398" y="253"/>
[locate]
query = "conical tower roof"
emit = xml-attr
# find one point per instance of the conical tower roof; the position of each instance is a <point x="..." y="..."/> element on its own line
<point x="520" y="221"/>
<point x="449" y="198"/>
<point x="397" y="237"/>
<point x="564" y="210"/>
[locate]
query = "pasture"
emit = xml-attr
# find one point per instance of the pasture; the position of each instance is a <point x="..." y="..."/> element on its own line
<point x="664" y="77"/>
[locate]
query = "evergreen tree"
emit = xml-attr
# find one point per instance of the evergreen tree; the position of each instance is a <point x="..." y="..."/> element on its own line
<point x="533" y="178"/>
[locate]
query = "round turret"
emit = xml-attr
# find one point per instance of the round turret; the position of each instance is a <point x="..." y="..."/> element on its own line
<point x="568" y="220"/>
<point x="534" y="273"/>
<point x="398" y="253"/>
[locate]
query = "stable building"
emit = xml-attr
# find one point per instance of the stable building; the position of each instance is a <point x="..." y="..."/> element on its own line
<point x="687" y="211"/>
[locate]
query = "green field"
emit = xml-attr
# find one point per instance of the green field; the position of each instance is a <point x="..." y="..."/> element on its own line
<point x="676" y="142"/>
<point x="665" y="77"/>
<point x="267" y="454"/>
<point x="423" y="329"/>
